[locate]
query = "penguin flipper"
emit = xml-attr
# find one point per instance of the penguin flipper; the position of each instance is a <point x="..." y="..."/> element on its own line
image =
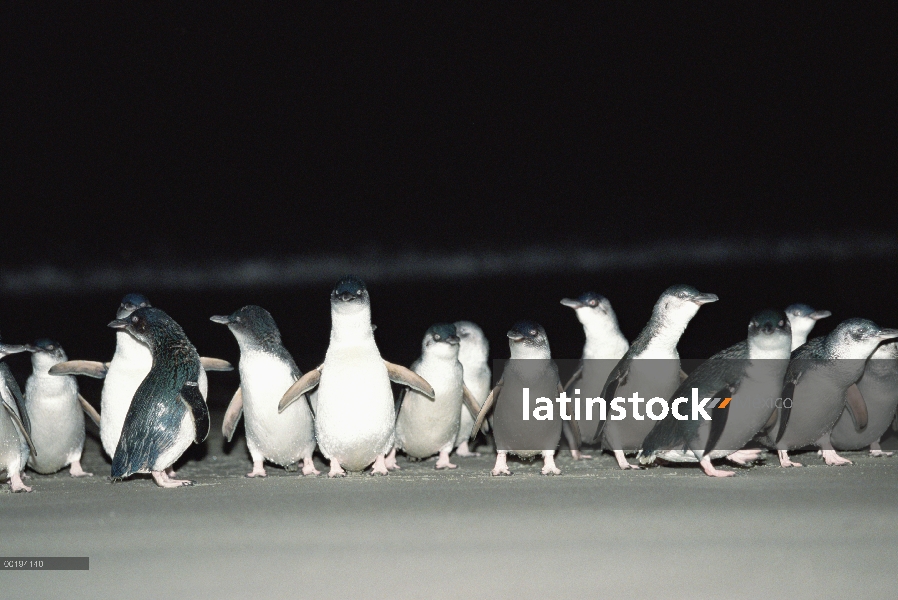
<point x="575" y="439"/>
<point x="215" y="364"/>
<point x="719" y="420"/>
<point x="485" y="409"/>
<point x="788" y="392"/>
<point x="13" y="386"/>
<point x="402" y="376"/>
<point x="232" y="415"/>
<point x="617" y="378"/>
<point x="89" y="368"/>
<point x="304" y="384"/>
<point x="89" y="410"/>
<point x="577" y="375"/>
<point x="473" y="405"/>
<point x="895" y="422"/>
<point x="192" y="397"/>
<point x="683" y="375"/>
<point x="20" y="426"/>
<point x="857" y="408"/>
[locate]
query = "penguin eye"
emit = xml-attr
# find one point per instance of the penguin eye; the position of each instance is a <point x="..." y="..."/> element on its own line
<point x="238" y="319"/>
<point x="51" y="347"/>
<point x="436" y="336"/>
<point x="592" y="302"/>
<point x="533" y="332"/>
<point x="134" y="319"/>
<point x="781" y="323"/>
<point x="143" y="305"/>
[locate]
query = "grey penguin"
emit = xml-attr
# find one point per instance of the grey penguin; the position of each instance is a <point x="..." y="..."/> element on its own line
<point x="167" y="413"/>
<point x="651" y="368"/>
<point x="531" y="368"/>
<point x="355" y="414"/>
<point x="426" y="426"/>
<point x="605" y="346"/>
<point x="473" y="354"/>
<point x="15" y="428"/>
<point x="56" y="411"/>
<point x="266" y="370"/>
<point x="819" y="375"/>
<point x="124" y="373"/>
<point x="879" y="388"/>
<point x="744" y="377"/>
<point x="803" y="318"/>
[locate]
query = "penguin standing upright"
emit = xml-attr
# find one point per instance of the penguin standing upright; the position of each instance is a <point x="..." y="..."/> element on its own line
<point x="56" y="413"/>
<point x="266" y="370"/>
<point x="650" y="368"/>
<point x="530" y="373"/>
<point x="473" y="354"/>
<point x="167" y="413"/>
<point x="355" y="414"/>
<point x="15" y="428"/>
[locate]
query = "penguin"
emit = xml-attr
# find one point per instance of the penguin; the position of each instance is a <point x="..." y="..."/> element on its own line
<point x="15" y="427"/>
<point x="473" y="354"/>
<point x="803" y="318"/>
<point x="651" y="368"/>
<point x="167" y="413"/>
<point x="355" y="414"/>
<point x="426" y="426"/>
<point x="814" y="391"/>
<point x="55" y="409"/>
<point x="743" y="377"/>
<point x="878" y="386"/>
<point x="266" y="370"/>
<point x="124" y="373"/>
<point x="530" y="367"/>
<point x="605" y="346"/>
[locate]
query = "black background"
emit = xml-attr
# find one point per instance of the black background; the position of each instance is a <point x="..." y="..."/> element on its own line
<point x="140" y="134"/>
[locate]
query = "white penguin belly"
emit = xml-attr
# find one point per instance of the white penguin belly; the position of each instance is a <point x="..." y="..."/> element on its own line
<point x="183" y="439"/>
<point x="356" y="412"/>
<point x="129" y="366"/>
<point x="283" y="438"/>
<point x="57" y="423"/>
<point x="425" y="426"/>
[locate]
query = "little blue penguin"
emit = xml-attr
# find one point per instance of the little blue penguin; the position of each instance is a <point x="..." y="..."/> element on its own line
<point x="124" y="373"/>
<point x="426" y="426"/>
<point x="15" y="428"/>
<point x="55" y="410"/>
<point x="473" y="354"/>
<point x="819" y="375"/>
<point x="266" y="370"/>
<point x="605" y="346"/>
<point x="651" y="368"/>
<point x="530" y="367"/>
<point x="748" y="374"/>
<point x="803" y="318"/>
<point x="355" y="415"/>
<point x="879" y="388"/>
<point x="167" y="412"/>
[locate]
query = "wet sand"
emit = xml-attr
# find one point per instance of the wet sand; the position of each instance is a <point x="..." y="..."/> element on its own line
<point x="594" y="531"/>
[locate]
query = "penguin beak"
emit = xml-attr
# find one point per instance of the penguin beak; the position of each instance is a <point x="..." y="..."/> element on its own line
<point x="220" y="319"/>
<point x="819" y="314"/>
<point x="575" y="304"/>
<point x="705" y="299"/>
<point x="31" y="348"/>
<point x="515" y="336"/>
<point x="887" y="334"/>
<point x="7" y="349"/>
<point x="453" y="339"/>
<point x="118" y="324"/>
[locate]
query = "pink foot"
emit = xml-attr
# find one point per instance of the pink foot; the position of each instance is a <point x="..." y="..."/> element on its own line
<point x="75" y="470"/>
<point x="443" y="461"/>
<point x="577" y="455"/>
<point x="464" y="450"/>
<point x="380" y="466"/>
<point x="171" y="472"/>
<point x="833" y="459"/>
<point x="549" y="467"/>
<point x="876" y="450"/>
<point x="710" y="471"/>
<point x="258" y="470"/>
<point x="745" y="457"/>
<point x="336" y="469"/>
<point x="164" y="481"/>
<point x="784" y="459"/>
<point x="501" y="467"/>
<point x="390" y="461"/>
<point x="16" y="485"/>
<point x="308" y="467"/>
<point x="622" y="461"/>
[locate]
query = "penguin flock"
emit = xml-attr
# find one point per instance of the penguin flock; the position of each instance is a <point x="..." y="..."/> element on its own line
<point x="776" y="390"/>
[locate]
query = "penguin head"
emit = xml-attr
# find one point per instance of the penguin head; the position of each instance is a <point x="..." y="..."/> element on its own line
<point x="803" y="318"/>
<point x="857" y="338"/>
<point x="130" y="303"/>
<point x="250" y="323"/>
<point x="679" y="303"/>
<point x="527" y="339"/>
<point x="142" y="323"/>
<point x="591" y="307"/>
<point x="350" y="295"/>
<point x="770" y="331"/>
<point x="441" y="339"/>
<point x="46" y="353"/>
<point x="472" y="342"/>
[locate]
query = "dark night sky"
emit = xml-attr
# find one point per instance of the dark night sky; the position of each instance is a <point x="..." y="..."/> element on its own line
<point x="151" y="133"/>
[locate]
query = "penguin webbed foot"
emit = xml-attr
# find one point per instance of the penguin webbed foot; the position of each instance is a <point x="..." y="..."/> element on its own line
<point x="164" y="481"/>
<point x="390" y="461"/>
<point x="464" y="450"/>
<point x="15" y="484"/>
<point x="75" y="470"/>
<point x="443" y="461"/>
<point x="501" y="467"/>
<point x="308" y="467"/>
<point x="785" y="462"/>
<point x="623" y="463"/>
<point x="549" y="467"/>
<point x="258" y="470"/>
<point x="380" y="466"/>
<point x="710" y="471"/>
<point x="745" y="457"/>
<point x="834" y="460"/>
<point x="577" y="455"/>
